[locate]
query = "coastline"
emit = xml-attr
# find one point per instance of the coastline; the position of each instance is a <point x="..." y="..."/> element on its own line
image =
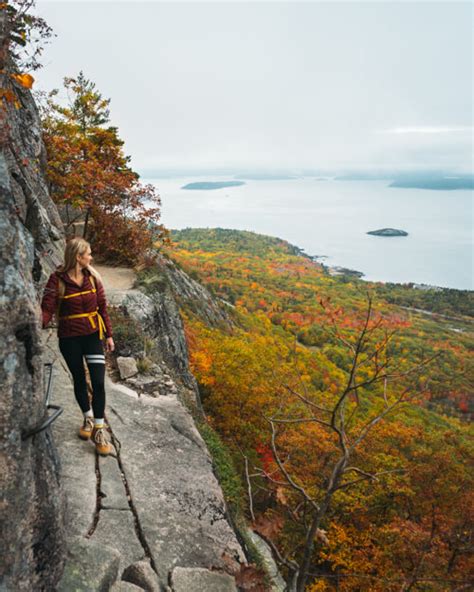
<point x="340" y="271"/>
<point x="332" y="218"/>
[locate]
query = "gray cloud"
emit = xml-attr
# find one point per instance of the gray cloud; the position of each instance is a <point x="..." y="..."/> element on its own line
<point x="275" y="84"/>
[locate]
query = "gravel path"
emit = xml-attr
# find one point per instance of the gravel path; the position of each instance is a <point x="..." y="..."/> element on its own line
<point x="116" y="278"/>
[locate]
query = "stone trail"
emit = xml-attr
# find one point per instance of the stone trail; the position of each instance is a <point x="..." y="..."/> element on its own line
<point x="152" y="515"/>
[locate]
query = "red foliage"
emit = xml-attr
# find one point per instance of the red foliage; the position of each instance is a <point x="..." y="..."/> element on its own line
<point x="265" y="455"/>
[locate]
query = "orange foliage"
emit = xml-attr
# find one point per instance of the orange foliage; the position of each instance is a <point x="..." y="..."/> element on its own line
<point x="25" y="80"/>
<point x="88" y="172"/>
<point x="412" y="523"/>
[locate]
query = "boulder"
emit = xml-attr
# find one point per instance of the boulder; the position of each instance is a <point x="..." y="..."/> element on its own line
<point x="196" y="579"/>
<point x="127" y="367"/>
<point x="138" y="306"/>
<point x="141" y="574"/>
<point x="89" y="567"/>
<point x="122" y="586"/>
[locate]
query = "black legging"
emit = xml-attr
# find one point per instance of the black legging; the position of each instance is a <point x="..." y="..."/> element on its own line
<point x="90" y="346"/>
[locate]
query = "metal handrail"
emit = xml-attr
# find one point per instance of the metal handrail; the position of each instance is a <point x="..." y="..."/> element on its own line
<point x="49" y="420"/>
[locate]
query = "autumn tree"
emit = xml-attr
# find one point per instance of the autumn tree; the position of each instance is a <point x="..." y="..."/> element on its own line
<point x="339" y="426"/>
<point x="409" y="528"/>
<point x="90" y="177"/>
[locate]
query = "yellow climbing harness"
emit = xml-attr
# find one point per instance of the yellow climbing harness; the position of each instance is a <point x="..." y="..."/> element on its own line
<point x="89" y="315"/>
<point x="79" y="294"/>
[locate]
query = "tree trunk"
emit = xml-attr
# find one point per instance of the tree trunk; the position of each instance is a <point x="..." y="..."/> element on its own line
<point x="86" y="221"/>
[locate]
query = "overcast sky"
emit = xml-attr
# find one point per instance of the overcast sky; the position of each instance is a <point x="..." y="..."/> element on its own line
<point x="273" y="84"/>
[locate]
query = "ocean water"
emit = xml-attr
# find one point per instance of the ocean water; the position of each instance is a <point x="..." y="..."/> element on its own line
<point x="330" y="218"/>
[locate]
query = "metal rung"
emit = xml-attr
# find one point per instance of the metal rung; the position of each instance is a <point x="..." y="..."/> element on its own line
<point x="49" y="420"/>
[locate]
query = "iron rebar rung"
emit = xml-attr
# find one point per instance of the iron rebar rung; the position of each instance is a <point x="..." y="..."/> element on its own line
<point x="57" y="409"/>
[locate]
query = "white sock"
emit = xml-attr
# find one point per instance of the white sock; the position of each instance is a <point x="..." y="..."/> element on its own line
<point x="99" y="423"/>
<point x="89" y="413"/>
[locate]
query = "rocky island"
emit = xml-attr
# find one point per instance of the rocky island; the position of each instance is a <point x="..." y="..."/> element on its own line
<point x="435" y="182"/>
<point x="212" y="184"/>
<point x="388" y="232"/>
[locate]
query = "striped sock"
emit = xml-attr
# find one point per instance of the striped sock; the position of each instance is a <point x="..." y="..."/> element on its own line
<point x="99" y="423"/>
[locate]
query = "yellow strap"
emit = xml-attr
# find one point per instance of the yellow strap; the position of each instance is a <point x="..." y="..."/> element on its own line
<point x="90" y="316"/>
<point x="78" y="294"/>
<point x="102" y="327"/>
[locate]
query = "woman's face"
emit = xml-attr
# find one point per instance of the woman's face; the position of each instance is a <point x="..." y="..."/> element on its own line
<point x="85" y="259"/>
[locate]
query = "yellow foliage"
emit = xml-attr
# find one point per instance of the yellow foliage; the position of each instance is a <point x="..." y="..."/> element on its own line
<point x="318" y="586"/>
<point x="26" y="80"/>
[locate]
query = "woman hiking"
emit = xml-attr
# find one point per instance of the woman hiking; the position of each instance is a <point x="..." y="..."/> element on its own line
<point x="75" y="293"/>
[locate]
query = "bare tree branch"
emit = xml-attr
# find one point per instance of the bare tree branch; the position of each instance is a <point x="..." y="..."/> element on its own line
<point x="370" y="355"/>
<point x="295" y="486"/>
<point x="307" y="401"/>
<point x="249" y="486"/>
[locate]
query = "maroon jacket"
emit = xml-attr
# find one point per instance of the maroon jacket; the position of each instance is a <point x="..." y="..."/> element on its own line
<point x="76" y="305"/>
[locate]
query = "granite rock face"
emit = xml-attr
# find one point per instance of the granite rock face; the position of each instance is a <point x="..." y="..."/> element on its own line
<point x="168" y="278"/>
<point x="155" y="305"/>
<point x="25" y="158"/>
<point x="32" y="507"/>
<point x="158" y="315"/>
<point x="189" y="579"/>
<point x="187" y="290"/>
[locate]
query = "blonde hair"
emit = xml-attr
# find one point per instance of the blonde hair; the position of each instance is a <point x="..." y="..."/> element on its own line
<point x="74" y="247"/>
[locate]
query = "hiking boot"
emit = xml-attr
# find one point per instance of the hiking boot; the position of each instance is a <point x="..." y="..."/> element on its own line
<point x="99" y="438"/>
<point x="85" y="431"/>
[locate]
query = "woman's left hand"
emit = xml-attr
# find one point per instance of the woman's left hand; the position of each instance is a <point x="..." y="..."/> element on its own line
<point x="109" y="344"/>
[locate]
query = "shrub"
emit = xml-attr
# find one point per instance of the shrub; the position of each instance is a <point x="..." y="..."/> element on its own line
<point x="225" y="469"/>
<point x="234" y="494"/>
<point x="144" y="365"/>
<point x="129" y="338"/>
<point x="152" y="280"/>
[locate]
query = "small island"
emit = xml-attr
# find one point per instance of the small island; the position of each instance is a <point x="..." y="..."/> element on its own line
<point x="212" y="184"/>
<point x="446" y="183"/>
<point x="388" y="232"/>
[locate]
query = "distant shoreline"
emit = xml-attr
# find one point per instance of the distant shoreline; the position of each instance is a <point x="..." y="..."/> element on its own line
<point x="208" y="185"/>
<point x="432" y="180"/>
<point x="338" y="270"/>
<point x="343" y="212"/>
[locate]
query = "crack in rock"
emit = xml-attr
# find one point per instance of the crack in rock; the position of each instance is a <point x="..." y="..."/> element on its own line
<point x="99" y="495"/>
<point x="115" y="412"/>
<point x="138" y="528"/>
